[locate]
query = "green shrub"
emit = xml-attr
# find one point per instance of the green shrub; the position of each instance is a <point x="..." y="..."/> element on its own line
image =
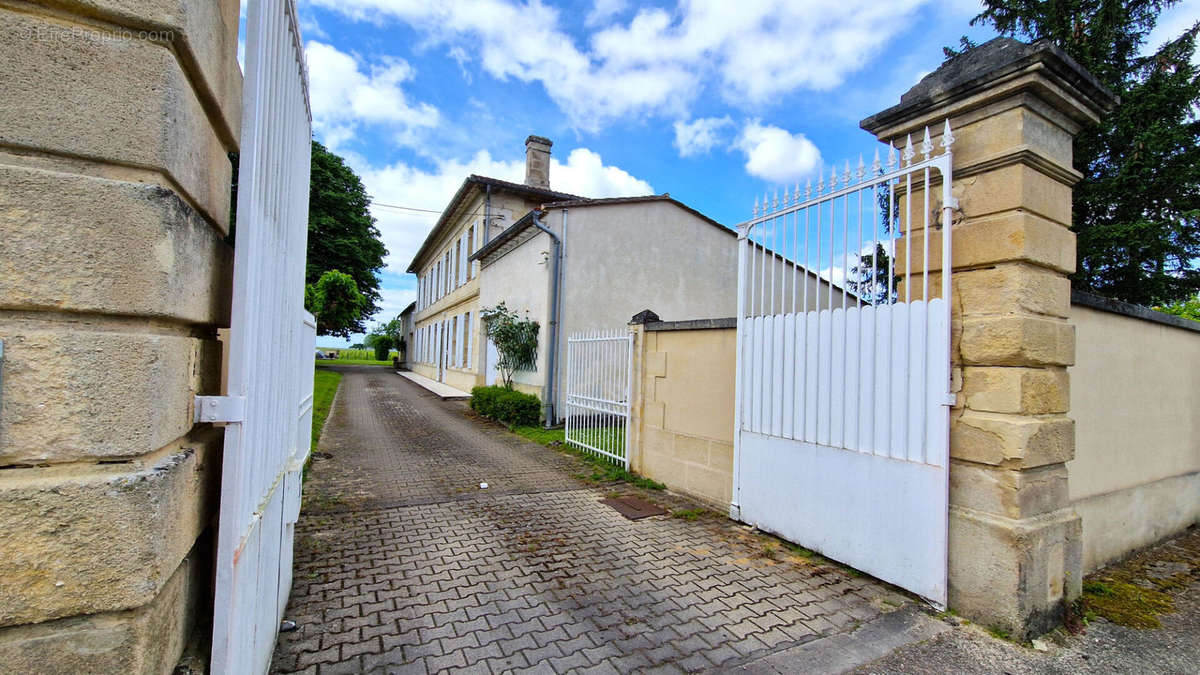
<point x="506" y="405"/>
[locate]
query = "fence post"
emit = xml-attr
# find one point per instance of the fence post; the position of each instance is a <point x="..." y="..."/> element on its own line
<point x="1015" y="542"/>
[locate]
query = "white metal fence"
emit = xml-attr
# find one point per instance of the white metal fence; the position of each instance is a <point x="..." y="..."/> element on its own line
<point x="844" y="365"/>
<point x="599" y="380"/>
<point x="268" y="409"/>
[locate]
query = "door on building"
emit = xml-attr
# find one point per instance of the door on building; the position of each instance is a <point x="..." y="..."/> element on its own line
<point x="842" y="417"/>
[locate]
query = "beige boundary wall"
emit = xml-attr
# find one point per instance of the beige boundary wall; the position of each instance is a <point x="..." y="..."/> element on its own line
<point x="115" y="276"/>
<point x="1135" y="397"/>
<point x="682" y="419"/>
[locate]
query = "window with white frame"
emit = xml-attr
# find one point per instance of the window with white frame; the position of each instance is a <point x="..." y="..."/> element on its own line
<point x="465" y="353"/>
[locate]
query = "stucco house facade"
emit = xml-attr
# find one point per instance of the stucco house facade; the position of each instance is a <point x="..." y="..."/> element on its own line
<point x="446" y="325"/>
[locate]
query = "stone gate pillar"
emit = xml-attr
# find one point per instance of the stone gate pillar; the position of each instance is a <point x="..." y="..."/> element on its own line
<point x="116" y="126"/>
<point x="1015" y="547"/>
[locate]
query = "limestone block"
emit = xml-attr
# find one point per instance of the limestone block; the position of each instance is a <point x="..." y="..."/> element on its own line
<point x="1015" y="236"/>
<point x="1012" y="440"/>
<point x="206" y="32"/>
<point x="720" y="457"/>
<point x="713" y="487"/>
<point x="76" y="236"/>
<point x="149" y="639"/>
<point x="691" y="449"/>
<point x="654" y="413"/>
<point x="119" y="101"/>
<point x="1011" y="288"/>
<point x="84" y="391"/>
<point x="1014" y="574"/>
<point x="82" y="540"/>
<point x="1016" y="186"/>
<point x="1010" y="127"/>
<point x="1008" y="492"/>
<point x="1030" y="391"/>
<point x="656" y="364"/>
<point x="1017" y="341"/>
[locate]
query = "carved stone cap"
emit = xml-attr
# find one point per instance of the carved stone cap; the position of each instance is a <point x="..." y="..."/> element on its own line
<point x="644" y="316"/>
<point x="1004" y="66"/>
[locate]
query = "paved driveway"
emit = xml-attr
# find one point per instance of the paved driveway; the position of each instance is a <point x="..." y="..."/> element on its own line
<point x="403" y="564"/>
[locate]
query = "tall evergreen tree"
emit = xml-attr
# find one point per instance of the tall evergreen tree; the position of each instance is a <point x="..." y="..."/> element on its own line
<point x="342" y="236"/>
<point x="1137" y="211"/>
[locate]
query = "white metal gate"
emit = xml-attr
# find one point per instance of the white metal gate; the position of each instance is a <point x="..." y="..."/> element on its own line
<point x="268" y="409"/>
<point x="599" y="377"/>
<point x="843" y="367"/>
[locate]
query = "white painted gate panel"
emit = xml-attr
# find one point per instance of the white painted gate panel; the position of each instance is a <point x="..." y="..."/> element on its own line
<point x="271" y="342"/>
<point x="842" y="418"/>
<point x="598" y="386"/>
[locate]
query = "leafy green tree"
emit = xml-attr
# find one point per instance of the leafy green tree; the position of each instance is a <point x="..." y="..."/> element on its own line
<point x="383" y="338"/>
<point x="336" y="303"/>
<point x="1188" y="309"/>
<point x="1137" y="211"/>
<point x="342" y="236"/>
<point x="516" y="340"/>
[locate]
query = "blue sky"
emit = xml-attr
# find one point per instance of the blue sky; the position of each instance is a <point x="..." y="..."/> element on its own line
<point x="713" y="101"/>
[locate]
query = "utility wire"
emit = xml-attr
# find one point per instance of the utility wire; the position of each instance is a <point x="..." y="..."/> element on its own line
<point x="404" y="208"/>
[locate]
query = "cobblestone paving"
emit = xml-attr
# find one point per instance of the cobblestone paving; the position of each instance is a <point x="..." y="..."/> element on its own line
<point x="404" y="565"/>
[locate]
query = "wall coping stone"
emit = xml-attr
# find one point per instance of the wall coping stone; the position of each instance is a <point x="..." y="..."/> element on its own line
<point x="693" y="324"/>
<point x="1085" y="299"/>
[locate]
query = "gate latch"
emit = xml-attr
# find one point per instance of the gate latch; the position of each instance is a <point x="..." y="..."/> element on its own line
<point x="220" y="409"/>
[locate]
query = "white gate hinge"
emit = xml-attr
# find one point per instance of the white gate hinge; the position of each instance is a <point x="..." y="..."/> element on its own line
<point x="950" y="400"/>
<point x="220" y="409"/>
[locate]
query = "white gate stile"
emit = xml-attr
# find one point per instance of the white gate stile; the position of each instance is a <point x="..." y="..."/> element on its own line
<point x="843" y="376"/>
<point x="599" y="382"/>
<point x="268" y="409"/>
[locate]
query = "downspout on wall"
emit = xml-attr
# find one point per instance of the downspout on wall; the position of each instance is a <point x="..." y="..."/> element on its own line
<point x="552" y="339"/>
<point x="487" y="215"/>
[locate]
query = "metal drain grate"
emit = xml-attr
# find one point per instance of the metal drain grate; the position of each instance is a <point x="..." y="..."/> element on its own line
<point x="634" y="508"/>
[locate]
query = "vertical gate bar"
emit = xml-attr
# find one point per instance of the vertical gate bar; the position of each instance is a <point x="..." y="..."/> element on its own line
<point x="774" y="251"/>
<point x="628" y="393"/>
<point x="925" y="240"/>
<point x="762" y="282"/>
<point x="845" y="309"/>
<point x="845" y="247"/>
<point x="589" y="436"/>
<point x="893" y="228"/>
<point x="832" y="219"/>
<point x="570" y="388"/>
<point x="817" y="311"/>
<point x="925" y="412"/>
<point x="739" y="376"/>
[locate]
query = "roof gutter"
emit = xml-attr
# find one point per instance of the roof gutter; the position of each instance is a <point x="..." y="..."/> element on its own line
<point x="552" y="338"/>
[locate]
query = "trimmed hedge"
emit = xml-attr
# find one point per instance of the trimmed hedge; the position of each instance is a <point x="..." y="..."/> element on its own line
<point x="506" y="405"/>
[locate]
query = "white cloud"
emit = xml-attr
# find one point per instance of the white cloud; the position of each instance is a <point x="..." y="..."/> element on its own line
<point x="345" y="95"/>
<point x="586" y="175"/>
<point x="583" y="173"/>
<point x="777" y="155"/>
<point x="603" y="10"/>
<point x="700" y="135"/>
<point x="659" y="61"/>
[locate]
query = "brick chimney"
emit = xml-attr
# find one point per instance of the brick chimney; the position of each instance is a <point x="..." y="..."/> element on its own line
<point x="537" y="162"/>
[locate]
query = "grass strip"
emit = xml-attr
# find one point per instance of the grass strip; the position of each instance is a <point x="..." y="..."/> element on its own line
<point x="602" y="470"/>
